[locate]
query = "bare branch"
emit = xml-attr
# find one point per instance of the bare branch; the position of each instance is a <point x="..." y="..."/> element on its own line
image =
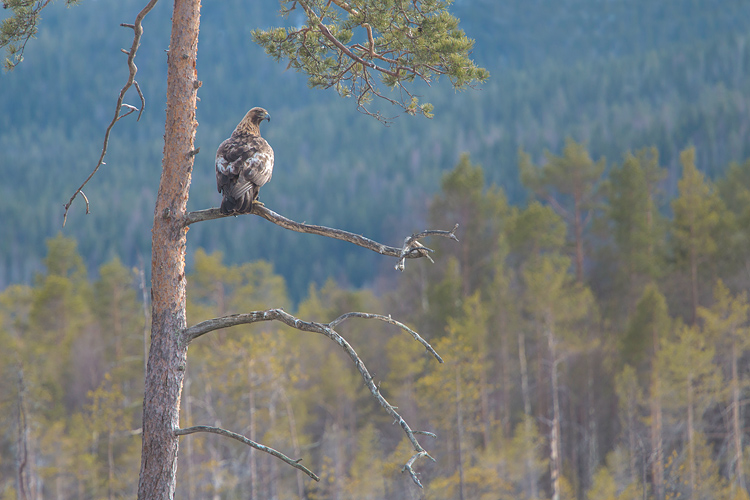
<point x="242" y="439"/>
<point x="390" y="320"/>
<point x="412" y="248"/>
<point x="408" y="466"/>
<point x="190" y="334"/>
<point x="137" y="33"/>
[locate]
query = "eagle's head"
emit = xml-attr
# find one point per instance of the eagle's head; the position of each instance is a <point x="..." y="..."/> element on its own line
<point x="251" y="122"/>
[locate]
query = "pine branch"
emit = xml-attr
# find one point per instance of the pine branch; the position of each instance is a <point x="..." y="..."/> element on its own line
<point x="195" y="331"/>
<point x="412" y="248"/>
<point x="242" y="439"/>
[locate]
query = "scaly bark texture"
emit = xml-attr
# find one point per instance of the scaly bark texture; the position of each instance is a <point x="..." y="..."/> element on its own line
<point x="168" y="356"/>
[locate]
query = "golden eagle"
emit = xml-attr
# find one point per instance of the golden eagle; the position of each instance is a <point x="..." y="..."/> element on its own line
<point x="244" y="162"/>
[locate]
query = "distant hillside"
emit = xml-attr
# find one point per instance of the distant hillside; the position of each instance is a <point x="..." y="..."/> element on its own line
<point x="619" y="75"/>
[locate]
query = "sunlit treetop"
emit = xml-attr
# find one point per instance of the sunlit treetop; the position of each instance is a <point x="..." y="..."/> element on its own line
<point x="375" y="48"/>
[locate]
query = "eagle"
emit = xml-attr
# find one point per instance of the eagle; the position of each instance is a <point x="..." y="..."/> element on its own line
<point x="244" y="162"/>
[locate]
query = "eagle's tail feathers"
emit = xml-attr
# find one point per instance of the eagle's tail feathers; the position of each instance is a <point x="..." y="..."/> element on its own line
<point x="240" y="205"/>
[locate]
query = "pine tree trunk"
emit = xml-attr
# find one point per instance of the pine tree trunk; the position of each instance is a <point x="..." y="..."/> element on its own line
<point x="526" y="396"/>
<point x="460" y="428"/>
<point x="691" y="436"/>
<point x="189" y="443"/>
<point x="657" y="463"/>
<point x="555" y="456"/>
<point x="253" y="466"/>
<point x="168" y="355"/>
<point x="736" y="421"/>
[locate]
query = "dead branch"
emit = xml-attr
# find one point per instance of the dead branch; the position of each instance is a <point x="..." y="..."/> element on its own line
<point x="195" y="331"/>
<point x="242" y="439"/>
<point x="133" y="69"/>
<point x="390" y="320"/>
<point x="412" y="249"/>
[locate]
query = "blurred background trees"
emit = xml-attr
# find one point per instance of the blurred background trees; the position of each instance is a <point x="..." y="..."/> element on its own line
<point x="548" y="388"/>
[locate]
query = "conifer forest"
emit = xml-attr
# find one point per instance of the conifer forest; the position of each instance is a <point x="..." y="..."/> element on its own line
<point x="593" y="319"/>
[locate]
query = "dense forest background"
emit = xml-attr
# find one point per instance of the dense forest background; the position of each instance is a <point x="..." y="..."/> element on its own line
<point x="615" y="75"/>
<point x="593" y="318"/>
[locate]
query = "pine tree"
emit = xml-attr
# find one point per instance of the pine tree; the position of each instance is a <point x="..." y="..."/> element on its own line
<point x="698" y="211"/>
<point x="637" y="226"/>
<point x="727" y="326"/>
<point x="571" y="185"/>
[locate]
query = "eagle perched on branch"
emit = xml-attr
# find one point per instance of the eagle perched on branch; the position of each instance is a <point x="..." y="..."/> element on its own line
<point x="244" y="162"/>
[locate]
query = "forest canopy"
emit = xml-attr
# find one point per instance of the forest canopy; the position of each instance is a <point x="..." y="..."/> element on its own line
<point x="494" y="305"/>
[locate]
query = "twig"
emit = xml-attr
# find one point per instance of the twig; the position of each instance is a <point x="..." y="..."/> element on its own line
<point x="137" y="33"/>
<point x="242" y="439"/>
<point x="387" y="319"/>
<point x="408" y="466"/>
<point x="413" y="248"/>
<point x="280" y="220"/>
<point x="192" y="333"/>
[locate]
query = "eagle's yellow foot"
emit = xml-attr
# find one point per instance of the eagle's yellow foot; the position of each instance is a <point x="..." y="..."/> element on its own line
<point x="256" y="202"/>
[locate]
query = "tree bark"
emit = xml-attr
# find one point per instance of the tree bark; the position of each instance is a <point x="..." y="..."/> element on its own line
<point x="657" y="461"/>
<point x="736" y="420"/>
<point x="555" y="448"/>
<point x="168" y="355"/>
<point x="691" y="435"/>
<point x="525" y="393"/>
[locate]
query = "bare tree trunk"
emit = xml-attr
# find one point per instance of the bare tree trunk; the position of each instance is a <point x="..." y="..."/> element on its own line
<point x="691" y="435"/>
<point x="592" y="441"/>
<point x="505" y="386"/>
<point x="110" y="465"/>
<point x="253" y="437"/>
<point x="555" y="457"/>
<point x="460" y="427"/>
<point x="657" y="449"/>
<point x="657" y="459"/>
<point x="295" y="441"/>
<point x="22" y="446"/>
<point x="736" y="422"/>
<point x="168" y="354"/>
<point x="533" y="487"/>
<point x="632" y="465"/>
<point x="485" y="401"/>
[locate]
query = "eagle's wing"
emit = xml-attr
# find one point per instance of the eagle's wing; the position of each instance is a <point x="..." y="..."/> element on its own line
<point x="242" y="165"/>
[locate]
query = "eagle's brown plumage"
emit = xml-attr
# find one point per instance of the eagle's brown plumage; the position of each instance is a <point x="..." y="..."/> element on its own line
<point x="244" y="162"/>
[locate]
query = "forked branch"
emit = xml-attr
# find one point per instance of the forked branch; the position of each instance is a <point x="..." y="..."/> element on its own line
<point x="242" y="439"/>
<point x="137" y="28"/>
<point x="412" y="248"/>
<point x="327" y="329"/>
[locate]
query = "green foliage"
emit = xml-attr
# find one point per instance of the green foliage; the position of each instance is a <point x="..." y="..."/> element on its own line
<point x="296" y="392"/>
<point x="480" y="212"/>
<point x="654" y="90"/>
<point x="699" y="216"/>
<point x="633" y="190"/>
<point x="346" y="47"/>
<point x="22" y="25"/>
<point x="697" y="212"/>
<point x="649" y="323"/>
<point x="77" y="343"/>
